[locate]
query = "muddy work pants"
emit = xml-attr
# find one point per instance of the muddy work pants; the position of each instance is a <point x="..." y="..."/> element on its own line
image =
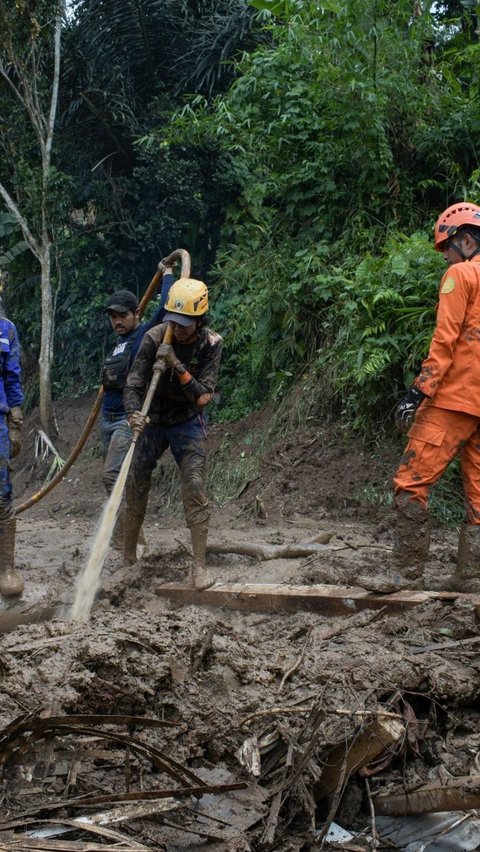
<point x="435" y="438"/>
<point x="187" y="443"/>
<point x="116" y="439"/>
<point x="6" y="510"/>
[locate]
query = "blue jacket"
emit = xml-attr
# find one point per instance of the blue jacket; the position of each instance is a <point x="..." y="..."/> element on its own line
<point x="11" y="393"/>
<point x="113" y="400"/>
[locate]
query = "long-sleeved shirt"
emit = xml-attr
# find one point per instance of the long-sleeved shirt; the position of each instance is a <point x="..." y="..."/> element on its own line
<point x="173" y="402"/>
<point x="450" y="374"/>
<point x="11" y="392"/>
<point x="113" y="399"/>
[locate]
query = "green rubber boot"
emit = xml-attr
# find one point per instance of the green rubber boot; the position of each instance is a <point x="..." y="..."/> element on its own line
<point x="11" y="583"/>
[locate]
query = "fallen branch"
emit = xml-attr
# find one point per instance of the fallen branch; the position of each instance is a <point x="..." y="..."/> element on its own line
<point x="265" y="551"/>
<point x="372" y="815"/>
<point x="299" y="662"/>
<point x="457" y="794"/>
<point x="204" y="648"/>
<point x="276" y="711"/>
<point x="339" y="788"/>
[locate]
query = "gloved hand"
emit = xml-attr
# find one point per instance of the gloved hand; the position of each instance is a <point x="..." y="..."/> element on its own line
<point x="137" y="422"/>
<point x="15" y="420"/>
<point x="406" y="409"/>
<point x="166" y="353"/>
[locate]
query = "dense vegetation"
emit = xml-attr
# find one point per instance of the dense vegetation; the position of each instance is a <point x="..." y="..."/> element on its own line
<point x="299" y="151"/>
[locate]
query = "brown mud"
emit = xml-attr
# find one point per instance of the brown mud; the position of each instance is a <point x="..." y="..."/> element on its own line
<point x="254" y="698"/>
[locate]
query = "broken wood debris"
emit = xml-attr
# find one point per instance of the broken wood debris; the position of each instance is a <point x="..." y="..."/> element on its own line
<point x="456" y="794"/>
<point x="324" y="599"/>
<point x="298" y="663"/>
<point x="65" y="826"/>
<point x="21" y="736"/>
<point x="379" y="734"/>
<point x="148" y="804"/>
<point x="204" y="648"/>
<point x="451" y="645"/>
<point x="30" y="844"/>
<point x="13" y="616"/>
<point x="84" y="802"/>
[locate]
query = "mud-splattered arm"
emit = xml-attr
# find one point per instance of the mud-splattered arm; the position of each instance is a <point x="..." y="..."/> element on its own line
<point x="140" y="374"/>
<point x="199" y="390"/>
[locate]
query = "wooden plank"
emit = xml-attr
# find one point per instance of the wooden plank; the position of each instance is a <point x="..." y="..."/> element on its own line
<point x="347" y="758"/>
<point x="324" y="599"/>
<point x="456" y="794"/>
<point x="14" y="615"/>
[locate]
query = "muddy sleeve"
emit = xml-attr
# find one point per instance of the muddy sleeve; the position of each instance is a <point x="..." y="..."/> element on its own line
<point x="452" y="305"/>
<point x="157" y="317"/>
<point x="140" y="374"/>
<point x="208" y="367"/>
<point x="12" y="372"/>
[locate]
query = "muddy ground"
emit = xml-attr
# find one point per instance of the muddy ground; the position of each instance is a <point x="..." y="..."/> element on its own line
<point x="288" y="688"/>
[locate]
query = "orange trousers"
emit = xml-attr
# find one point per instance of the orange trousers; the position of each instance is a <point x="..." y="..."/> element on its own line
<point x="435" y="438"/>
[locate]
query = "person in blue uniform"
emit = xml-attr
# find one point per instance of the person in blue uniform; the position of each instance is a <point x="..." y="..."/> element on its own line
<point x="11" y="401"/>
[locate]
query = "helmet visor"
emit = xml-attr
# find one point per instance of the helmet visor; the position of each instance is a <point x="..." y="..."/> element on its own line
<point x="180" y="319"/>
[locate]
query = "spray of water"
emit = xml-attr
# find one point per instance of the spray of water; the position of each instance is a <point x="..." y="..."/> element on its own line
<point x="89" y="581"/>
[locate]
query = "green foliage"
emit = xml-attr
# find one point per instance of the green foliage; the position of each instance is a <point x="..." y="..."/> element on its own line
<point x="381" y="323"/>
<point x="318" y="144"/>
<point x="12" y="247"/>
<point x="345" y="136"/>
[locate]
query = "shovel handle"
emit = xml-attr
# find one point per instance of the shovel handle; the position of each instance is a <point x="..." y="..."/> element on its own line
<point x="158" y="372"/>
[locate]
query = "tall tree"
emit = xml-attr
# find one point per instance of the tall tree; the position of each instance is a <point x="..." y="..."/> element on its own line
<point x="30" y="73"/>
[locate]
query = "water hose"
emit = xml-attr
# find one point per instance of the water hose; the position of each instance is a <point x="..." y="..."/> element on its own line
<point x="183" y="257"/>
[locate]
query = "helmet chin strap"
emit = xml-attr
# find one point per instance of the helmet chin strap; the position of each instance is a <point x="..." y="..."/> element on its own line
<point x="474" y="253"/>
<point x="459" y="251"/>
<point x="462" y="254"/>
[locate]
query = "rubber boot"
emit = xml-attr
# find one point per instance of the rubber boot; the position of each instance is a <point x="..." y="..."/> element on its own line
<point x="411" y="544"/>
<point x="411" y="541"/>
<point x="467" y="573"/>
<point x="198" y="576"/>
<point x="11" y="583"/>
<point x="118" y="535"/>
<point x="132" y="526"/>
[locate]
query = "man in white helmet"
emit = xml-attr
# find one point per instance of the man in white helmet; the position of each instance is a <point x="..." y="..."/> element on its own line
<point x="175" y="418"/>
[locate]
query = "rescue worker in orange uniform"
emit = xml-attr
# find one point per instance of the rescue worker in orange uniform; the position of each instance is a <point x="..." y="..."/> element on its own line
<point x="441" y="411"/>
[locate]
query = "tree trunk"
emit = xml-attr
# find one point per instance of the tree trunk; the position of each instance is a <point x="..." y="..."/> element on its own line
<point x="45" y="357"/>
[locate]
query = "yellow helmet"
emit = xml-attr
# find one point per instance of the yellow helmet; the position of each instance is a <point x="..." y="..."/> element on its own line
<point x="187" y="298"/>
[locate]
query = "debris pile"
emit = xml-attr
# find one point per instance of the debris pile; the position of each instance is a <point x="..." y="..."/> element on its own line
<point x="176" y="728"/>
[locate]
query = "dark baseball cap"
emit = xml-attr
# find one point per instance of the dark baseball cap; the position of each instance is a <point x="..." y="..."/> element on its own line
<point x="180" y="319"/>
<point x="121" y="302"/>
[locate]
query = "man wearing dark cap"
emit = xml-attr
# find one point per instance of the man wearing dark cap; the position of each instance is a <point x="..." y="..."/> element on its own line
<point x="122" y="308"/>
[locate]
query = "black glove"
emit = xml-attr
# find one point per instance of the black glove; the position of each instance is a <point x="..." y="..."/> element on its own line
<point x="406" y="409"/>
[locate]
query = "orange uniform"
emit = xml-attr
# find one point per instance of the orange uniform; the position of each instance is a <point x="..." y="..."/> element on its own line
<point x="451" y="372"/>
<point x="449" y="422"/>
